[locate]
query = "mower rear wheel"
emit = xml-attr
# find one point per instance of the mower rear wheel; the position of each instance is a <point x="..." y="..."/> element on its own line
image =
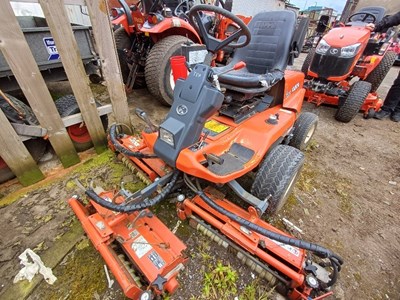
<point x="158" y="68"/>
<point x="304" y="129"/>
<point x="379" y="73"/>
<point x="353" y="102"/>
<point x="277" y="176"/>
<point x="307" y="62"/>
<point x="122" y="42"/>
<point x="78" y="133"/>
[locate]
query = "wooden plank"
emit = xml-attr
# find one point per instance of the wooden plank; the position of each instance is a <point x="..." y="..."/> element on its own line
<point x="20" y="59"/>
<point x="109" y="59"/>
<point x="15" y="154"/>
<point x="77" y="118"/>
<point x="61" y="30"/>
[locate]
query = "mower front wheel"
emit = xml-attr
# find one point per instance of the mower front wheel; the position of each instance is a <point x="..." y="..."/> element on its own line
<point x="304" y="129"/>
<point x="277" y="176"/>
<point x="353" y="102"/>
<point x="158" y="72"/>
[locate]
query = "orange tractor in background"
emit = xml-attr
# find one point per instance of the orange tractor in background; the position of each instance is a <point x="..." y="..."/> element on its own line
<point x="348" y="65"/>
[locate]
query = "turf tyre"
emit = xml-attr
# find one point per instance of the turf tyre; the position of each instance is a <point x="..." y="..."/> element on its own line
<point x="307" y="62"/>
<point x="353" y="102"/>
<point x="304" y="129"/>
<point x="379" y="73"/>
<point x="277" y="175"/>
<point x="68" y="106"/>
<point x="158" y="68"/>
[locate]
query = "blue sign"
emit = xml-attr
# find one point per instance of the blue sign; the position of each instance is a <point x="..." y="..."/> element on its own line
<point x="51" y="48"/>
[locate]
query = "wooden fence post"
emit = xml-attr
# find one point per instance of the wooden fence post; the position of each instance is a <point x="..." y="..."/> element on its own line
<point x="109" y="59"/>
<point x="22" y="63"/>
<point x="15" y="154"/>
<point x="61" y="30"/>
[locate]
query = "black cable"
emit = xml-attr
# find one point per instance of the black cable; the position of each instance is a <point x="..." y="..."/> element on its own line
<point x="122" y="149"/>
<point x="135" y="206"/>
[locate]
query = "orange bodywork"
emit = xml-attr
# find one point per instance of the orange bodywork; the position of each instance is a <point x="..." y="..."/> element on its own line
<point x="145" y="240"/>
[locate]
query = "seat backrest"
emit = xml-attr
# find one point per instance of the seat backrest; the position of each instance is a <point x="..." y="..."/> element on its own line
<point x="271" y="36"/>
<point x="378" y="11"/>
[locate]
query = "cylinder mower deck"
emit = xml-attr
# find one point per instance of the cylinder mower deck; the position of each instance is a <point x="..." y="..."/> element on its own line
<point x="142" y="253"/>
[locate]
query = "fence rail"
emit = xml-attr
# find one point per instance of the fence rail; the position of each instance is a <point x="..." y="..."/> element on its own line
<point x="19" y="57"/>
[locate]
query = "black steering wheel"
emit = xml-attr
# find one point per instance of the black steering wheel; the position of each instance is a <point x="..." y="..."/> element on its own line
<point x="182" y="8"/>
<point x="365" y="14"/>
<point x="210" y="41"/>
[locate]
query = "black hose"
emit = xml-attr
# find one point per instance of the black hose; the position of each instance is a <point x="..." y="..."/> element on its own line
<point x="122" y="149"/>
<point x="316" y="249"/>
<point x="135" y="206"/>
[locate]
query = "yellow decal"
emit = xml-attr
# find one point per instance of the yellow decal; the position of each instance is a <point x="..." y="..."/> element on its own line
<point x="215" y="126"/>
<point x="147" y="34"/>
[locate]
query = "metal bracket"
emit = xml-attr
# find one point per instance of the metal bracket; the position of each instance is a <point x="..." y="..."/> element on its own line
<point x="261" y="205"/>
<point x="27" y="131"/>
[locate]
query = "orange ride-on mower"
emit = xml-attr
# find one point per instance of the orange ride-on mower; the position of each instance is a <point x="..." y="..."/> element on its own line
<point x="343" y="55"/>
<point x="224" y="123"/>
<point x="147" y="35"/>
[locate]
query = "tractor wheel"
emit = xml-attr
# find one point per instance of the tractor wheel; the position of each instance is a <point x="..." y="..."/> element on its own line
<point x="122" y="41"/>
<point x="79" y="135"/>
<point x="158" y="74"/>
<point x="379" y="73"/>
<point x="307" y="62"/>
<point x="304" y="129"/>
<point x="277" y="175"/>
<point x="353" y="102"/>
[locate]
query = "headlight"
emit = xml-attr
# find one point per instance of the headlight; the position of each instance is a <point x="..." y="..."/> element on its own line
<point x="167" y="137"/>
<point x="322" y="47"/>
<point x="349" y="51"/>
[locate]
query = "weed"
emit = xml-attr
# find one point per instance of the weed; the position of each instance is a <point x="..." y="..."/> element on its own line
<point x="255" y="291"/>
<point x="220" y="283"/>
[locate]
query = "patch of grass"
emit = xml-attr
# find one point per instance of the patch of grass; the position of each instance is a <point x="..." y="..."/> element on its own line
<point x="220" y="283"/>
<point x="357" y="276"/>
<point x="204" y="250"/>
<point x="306" y="181"/>
<point x="345" y="203"/>
<point x="255" y="291"/>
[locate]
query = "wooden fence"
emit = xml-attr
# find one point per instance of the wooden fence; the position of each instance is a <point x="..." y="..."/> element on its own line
<point x="22" y="63"/>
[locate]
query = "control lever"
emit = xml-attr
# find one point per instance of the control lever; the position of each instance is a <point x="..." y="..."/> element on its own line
<point x="214" y="158"/>
<point x="237" y="66"/>
<point x="143" y="115"/>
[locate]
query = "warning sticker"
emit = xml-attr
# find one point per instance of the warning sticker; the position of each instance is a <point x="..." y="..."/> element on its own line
<point x="141" y="246"/>
<point x="156" y="259"/>
<point x="197" y="57"/>
<point x="215" y="126"/>
<point x="293" y="250"/>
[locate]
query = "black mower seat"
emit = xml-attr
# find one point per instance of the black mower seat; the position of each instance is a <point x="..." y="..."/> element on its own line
<point x="267" y="54"/>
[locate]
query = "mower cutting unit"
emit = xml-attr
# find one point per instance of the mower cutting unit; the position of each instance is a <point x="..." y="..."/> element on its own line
<point x="224" y="123"/>
<point x="346" y="53"/>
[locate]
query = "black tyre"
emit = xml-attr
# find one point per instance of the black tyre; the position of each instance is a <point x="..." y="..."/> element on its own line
<point x="353" y="102"/>
<point x="12" y="114"/>
<point x="122" y="41"/>
<point x="158" y="69"/>
<point x="277" y="175"/>
<point x="307" y="62"/>
<point x="79" y="135"/>
<point x="304" y="129"/>
<point x="379" y="73"/>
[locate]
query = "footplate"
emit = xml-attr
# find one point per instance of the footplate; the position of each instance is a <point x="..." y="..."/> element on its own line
<point x="142" y="253"/>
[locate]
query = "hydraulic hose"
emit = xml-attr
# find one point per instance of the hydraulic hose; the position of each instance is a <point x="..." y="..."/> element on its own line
<point x="135" y="206"/>
<point x="318" y="250"/>
<point x="122" y="149"/>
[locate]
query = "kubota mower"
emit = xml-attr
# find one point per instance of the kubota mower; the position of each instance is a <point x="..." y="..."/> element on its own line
<point x="343" y="55"/>
<point x="224" y="123"/>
